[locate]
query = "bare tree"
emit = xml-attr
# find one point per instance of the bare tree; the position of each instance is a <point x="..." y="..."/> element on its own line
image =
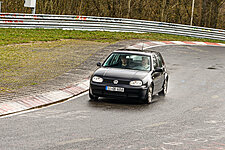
<point x="128" y="8"/>
<point x="163" y="10"/>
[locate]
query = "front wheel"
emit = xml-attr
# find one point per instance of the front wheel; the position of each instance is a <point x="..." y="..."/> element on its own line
<point x="165" y="88"/>
<point x="149" y="95"/>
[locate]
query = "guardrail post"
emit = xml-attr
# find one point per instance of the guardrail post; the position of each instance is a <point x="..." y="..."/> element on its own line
<point x="192" y="11"/>
<point x="33" y="10"/>
<point x="1" y="6"/>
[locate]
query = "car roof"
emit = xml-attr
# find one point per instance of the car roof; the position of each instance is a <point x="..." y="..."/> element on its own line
<point x="138" y="52"/>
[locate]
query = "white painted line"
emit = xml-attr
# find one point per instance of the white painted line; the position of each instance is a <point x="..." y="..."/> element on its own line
<point x="178" y="42"/>
<point x="221" y="44"/>
<point x="158" y="42"/>
<point x="200" y="43"/>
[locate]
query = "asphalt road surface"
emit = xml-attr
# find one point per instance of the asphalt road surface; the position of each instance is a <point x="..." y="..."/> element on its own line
<point x="191" y="116"/>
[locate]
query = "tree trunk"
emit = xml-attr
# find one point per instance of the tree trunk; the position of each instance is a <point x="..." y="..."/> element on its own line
<point x="129" y="8"/>
<point x="81" y="3"/>
<point x="163" y="10"/>
<point x="200" y="12"/>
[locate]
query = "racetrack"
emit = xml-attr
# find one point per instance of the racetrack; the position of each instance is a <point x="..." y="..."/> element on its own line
<point x="191" y="116"/>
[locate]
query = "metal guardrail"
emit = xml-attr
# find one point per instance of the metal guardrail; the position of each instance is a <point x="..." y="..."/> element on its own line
<point x="91" y="23"/>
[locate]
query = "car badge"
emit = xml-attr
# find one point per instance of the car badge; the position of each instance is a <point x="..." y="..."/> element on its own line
<point x="115" y="81"/>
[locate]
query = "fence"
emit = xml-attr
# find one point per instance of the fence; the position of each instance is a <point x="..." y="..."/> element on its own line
<point x="91" y="23"/>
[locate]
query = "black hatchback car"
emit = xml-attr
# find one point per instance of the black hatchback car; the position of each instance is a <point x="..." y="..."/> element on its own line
<point x="130" y="74"/>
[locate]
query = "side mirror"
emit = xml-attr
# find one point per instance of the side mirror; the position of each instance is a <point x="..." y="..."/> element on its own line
<point x="158" y="69"/>
<point x="99" y="64"/>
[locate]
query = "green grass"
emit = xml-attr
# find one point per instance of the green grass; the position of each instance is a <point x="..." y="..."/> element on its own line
<point x="33" y="63"/>
<point x="16" y="36"/>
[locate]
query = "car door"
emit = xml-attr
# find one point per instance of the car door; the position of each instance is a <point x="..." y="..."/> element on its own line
<point x="161" y="65"/>
<point x="156" y="76"/>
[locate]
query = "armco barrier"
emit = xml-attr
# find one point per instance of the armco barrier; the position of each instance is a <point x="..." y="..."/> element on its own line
<point x="91" y="23"/>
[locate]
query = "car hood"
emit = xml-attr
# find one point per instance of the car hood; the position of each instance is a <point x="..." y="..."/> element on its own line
<point x="120" y="73"/>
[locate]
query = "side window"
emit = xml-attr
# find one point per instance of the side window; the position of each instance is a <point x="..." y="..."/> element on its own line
<point x="160" y="60"/>
<point x="115" y="60"/>
<point x="155" y="62"/>
<point x="112" y="60"/>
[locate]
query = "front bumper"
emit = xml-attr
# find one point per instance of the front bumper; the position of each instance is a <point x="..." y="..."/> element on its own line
<point x="98" y="89"/>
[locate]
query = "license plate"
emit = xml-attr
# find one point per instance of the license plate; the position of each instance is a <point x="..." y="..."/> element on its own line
<point x="116" y="89"/>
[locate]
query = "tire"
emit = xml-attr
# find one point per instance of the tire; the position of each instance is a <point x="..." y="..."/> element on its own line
<point x="92" y="97"/>
<point x="165" y="88"/>
<point x="149" y="95"/>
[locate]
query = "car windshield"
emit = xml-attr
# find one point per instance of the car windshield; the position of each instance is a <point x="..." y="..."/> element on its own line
<point x="128" y="61"/>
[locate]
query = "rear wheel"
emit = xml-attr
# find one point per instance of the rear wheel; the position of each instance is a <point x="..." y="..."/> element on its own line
<point x="149" y="95"/>
<point x="165" y="88"/>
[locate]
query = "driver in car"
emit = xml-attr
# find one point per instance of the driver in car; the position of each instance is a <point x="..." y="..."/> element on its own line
<point x="124" y="61"/>
<point x="145" y="63"/>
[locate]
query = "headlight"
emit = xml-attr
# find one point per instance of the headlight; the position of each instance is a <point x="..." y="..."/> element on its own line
<point x="136" y="83"/>
<point x="97" y="79"/>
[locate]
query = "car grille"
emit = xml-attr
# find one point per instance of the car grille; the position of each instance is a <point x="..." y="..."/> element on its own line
<point x="114" y="94"/>
<point x="120" y="81"/>
<point x="117" y="94"/>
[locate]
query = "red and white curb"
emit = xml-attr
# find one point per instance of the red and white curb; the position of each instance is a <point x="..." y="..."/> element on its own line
<point x="43" y="99"/>
<point x="151" y="44"/>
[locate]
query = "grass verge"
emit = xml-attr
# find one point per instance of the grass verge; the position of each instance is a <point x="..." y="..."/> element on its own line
<point x="15" y="36"/>
<point x="33" y="63"/>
